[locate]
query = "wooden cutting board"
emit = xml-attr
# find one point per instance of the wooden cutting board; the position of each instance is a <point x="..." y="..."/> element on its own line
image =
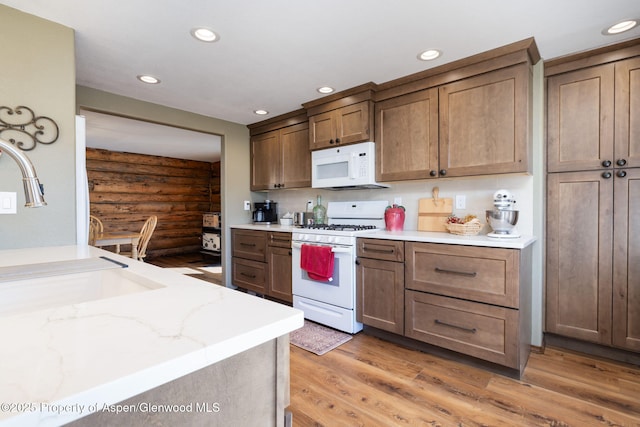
<point x="433" y="213"/>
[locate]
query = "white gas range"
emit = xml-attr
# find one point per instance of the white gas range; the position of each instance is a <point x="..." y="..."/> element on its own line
<point x="332" y="301"/>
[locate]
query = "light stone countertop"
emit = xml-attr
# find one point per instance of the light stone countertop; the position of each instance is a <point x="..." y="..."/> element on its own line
<point x="417" y="236"/>
<point x="58" y="364"/>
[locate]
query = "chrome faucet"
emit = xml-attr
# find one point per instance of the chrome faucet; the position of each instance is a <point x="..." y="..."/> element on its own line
<point x="33" y="190"/>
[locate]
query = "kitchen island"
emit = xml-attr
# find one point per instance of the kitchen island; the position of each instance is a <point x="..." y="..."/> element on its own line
<point x="165" y="349"/>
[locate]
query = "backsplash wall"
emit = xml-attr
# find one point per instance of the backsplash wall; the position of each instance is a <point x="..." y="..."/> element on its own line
<point x="478" y="191"/>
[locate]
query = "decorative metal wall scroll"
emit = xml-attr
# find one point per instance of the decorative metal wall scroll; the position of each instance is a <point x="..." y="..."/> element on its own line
<point x="21" y="127"/>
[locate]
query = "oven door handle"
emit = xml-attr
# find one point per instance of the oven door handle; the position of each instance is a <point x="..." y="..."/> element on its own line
<point x="334" y="249"/>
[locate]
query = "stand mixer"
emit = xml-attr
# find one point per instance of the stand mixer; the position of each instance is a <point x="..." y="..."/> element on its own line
<point x="503" y="218"/>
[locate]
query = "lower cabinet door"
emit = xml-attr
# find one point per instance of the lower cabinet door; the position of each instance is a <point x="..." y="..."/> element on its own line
<point x="480" y="330"/>
<point x="280" y="273"/>
<point x="380" y="294"/>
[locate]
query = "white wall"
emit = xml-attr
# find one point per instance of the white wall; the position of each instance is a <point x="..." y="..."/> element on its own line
<point x="38" y="71"/>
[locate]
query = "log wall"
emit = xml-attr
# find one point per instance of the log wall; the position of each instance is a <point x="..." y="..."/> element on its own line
<point x="125" y="189"/>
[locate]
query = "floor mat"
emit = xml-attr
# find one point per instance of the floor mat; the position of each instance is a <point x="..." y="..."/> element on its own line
<point x="318" y="339"/>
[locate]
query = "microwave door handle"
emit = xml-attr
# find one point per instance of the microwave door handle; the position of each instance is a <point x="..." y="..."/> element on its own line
<point x="353" y="165"/>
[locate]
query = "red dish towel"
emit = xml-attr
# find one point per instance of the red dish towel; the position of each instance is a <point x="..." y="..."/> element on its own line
<point x="317" y="261"/>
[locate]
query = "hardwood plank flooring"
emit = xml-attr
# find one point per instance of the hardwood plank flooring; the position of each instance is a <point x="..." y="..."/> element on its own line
<point x="371" y="382"/>
<point x="190" y="260"/>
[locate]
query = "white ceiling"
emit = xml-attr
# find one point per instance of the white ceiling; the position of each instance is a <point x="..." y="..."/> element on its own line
<point x="274" y="54"/>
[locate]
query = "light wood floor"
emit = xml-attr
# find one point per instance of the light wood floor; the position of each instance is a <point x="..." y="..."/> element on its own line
<point x="193" y="261"/>
<point x="371" y="382"/>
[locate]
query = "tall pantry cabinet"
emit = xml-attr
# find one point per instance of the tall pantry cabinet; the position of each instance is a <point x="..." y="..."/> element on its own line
<point x="593" y="196"/>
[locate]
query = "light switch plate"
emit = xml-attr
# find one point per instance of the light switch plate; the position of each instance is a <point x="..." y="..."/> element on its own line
<point x="8" y="203"/>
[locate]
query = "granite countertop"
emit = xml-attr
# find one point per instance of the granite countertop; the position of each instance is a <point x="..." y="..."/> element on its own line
<point x="417" y="236"/>
<point x="58" y="364"/>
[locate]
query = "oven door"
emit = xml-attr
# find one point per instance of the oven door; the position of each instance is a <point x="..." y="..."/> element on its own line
<point x="339" y="291"/>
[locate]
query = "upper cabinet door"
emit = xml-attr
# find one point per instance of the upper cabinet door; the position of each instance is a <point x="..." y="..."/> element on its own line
<point x="322" y="130"/>
<point x="580" y="114"/>
<point x="485" y="123"/>
<point x="296" y="158"/>
<point x="627" y="128"/>
<point x="352" y="123"/>
<point x="265" y="160"/>
<point x="407" y="136"/>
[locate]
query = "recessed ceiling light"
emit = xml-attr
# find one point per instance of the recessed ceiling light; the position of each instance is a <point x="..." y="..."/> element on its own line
<point x="204" y="34"/>
<point x="620" y="27"/>
<point x="261" y="112"/>
<point x="429" y="55"/>
<point x="325" y="89"/>
<point x="145" y="78"/>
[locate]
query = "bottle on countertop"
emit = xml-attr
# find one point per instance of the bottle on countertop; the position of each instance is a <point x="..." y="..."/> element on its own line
<point x="319" y="212"/>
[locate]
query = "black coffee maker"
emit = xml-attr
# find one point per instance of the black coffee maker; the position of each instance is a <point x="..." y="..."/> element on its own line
<point x="265" y="212"/>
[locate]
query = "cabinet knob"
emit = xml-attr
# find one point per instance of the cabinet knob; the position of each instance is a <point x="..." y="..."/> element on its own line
<point x="621" y="162"/>
<point x="337" y="140"/>
<point x="443" y="172"/>
<point x="433" y="173"/>
<point x="606" y="175"/>
<point x="357" y="261"/>
<point x="606" y="163"/>
<point x="621" y="174"/>
<point x="331" y="141"/>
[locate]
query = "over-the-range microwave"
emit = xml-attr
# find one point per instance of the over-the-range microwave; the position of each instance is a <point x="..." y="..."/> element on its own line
<point x="345" y="167"/>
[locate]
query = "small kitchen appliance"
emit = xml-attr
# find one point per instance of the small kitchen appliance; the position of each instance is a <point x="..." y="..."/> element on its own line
<point x="503" y="218"/>
<point x="265" y="212"/>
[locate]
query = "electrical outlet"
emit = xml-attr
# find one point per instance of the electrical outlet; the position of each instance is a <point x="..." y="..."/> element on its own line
<point x="397" y="201"/>
<point x="309" y="205"/>
<point x="461" y="202"/>
<point x="247" y="205"/>
<point x="8" y="203"/>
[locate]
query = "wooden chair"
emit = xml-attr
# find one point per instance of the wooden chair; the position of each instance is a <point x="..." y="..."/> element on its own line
<point x="95" y="228"/>
<point x="145" y="235"/>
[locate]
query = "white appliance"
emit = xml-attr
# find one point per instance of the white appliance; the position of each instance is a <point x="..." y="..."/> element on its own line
<point x="503" y="218"/>
<point x="345" y="167"/>
<point x="333" y="302"/>
<point x="210" y="241"/>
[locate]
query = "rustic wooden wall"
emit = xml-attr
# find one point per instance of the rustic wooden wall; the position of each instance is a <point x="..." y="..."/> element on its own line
<point x="125" y="189"/>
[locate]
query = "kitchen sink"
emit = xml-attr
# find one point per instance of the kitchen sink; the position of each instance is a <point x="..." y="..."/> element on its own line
<point x="35" y="287"/>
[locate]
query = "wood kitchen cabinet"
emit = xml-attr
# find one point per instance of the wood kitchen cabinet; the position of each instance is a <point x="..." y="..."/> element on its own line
<point x="590" y="122"/>
<point x="471" y="117"/>
<point x="261" y="262"/>
<point x="593" y="274"/>
<point x="485" y="123"/>
<point x="248" y="262"/>
<point x="346" y="125"/>
<point x="592" y="278"/>
<point x="380" y="284"/>
<point x="407" y="136"/>
<point x="279" y="266"/>
<point x="280" y="157"/>
<point x="473" y="300"/>
<point x="341" y="118"/>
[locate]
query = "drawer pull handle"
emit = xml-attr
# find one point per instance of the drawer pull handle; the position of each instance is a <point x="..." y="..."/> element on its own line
<point x="440" y="322"/>
<point x="384" y="251"/>
<point x="247" y="244"/>
<point x="459" y="273"/>
<point x="250" y="276"/>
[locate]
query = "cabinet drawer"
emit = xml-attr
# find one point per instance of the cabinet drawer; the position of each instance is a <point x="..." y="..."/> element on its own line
<point x="249" y="244"/>
<point x="479" y="330"/>
<point x="388" y="250"/>
<point x="249" y="274"/>
<point x="281" y="240"/>
<point x="481" y="274"/>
